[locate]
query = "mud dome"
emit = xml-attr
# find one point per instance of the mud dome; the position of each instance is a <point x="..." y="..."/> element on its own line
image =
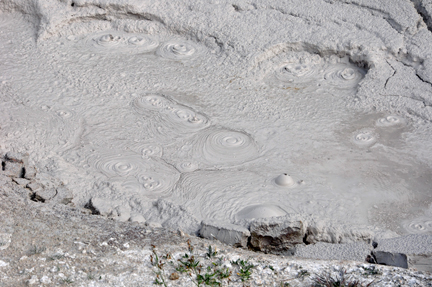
<point x="227" y="110"/>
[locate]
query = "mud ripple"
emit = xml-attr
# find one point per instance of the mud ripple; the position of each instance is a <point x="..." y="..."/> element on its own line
<point x="158" y="181"/>
<point x="364" y="138"/>
<point x="343" y="76"/>
<point x="107" y="40"/>
<point x="178" y="50"/>
<point x="155" y="102"/>
<point x="187" y="118"/>
<point x="187" y="166"/>
<point x="222" y="146"/>
<point x="142" y="43"/>
<point x="114" y="165"/>
<point x="390" y="121"/>
<point x="419" y="225"/>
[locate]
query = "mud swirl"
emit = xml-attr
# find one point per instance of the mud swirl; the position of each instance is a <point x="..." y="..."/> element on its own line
<point x="155" y="102"/>
<point x="116" y="41"/>
<point x="178" y="50"/>
<point x="295" y="72"/>
<point x="187" y="166"/>
<point x="223" y="146"/>
<point x="158" y="181"/>
<point x="419" y="225"/>
<point x="220" y="194"/>
<point x="187" y="118"/>
<point x="151" y="150"/>
<point x="390" y="121"/>
<point x="106" y="40"/>
<point x="364" y="138"/>
<point x="65" y="114"/>
<point x="118" y="165"/>
<point x="298" y="69"/>
<point x="343" y="76"/>
<point x="142" y="43"/>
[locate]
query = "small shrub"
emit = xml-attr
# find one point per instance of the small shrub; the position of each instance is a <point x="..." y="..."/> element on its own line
<point x="327" y="280"/>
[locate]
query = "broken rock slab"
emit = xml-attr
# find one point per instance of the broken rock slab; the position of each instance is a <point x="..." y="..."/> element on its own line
<point x="230" y="234"/>
<point x="277" y="234"/>
<point x="100" y="206"/>
<point x="17" y="157"/>
<point x="391" y="258"/>
<point x="44" y="195"/>
<point x="15" y="164"/>
<point x="416" y="247"/>
<point x="325" y="231"/>
<point x="13" y="169"/>
<point x="173" y="216"/>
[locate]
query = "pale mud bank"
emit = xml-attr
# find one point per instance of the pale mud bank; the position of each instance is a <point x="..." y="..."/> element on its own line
<point x="233" y="112"/>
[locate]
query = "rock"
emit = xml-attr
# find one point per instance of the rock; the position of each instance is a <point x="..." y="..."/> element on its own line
<point x="64" y="195"/>
<point x="417" y="247"/>
<point x="30" y="172"/>
<point x="100" y="206"/>
<point x="3" y="264"/>
<point x="44" y="194"/>
<point x="13" y="169"/>
<point x="21" y="181"/>
<point x="34" y="186"/>
<point x="33" y="280"/>
<point x="137" y="218"/>
<point x="123" y="213"/>
<point x="325" y="231"/>
<point x="45" y="280"/>
<point x="173" y="216"/>
<point x="230" y="234"/>
<point x="174" y="276"/>
<point x="17" y="157"/>
<point x="390" y="258"/>
<point x="154" y="224"/>
<point x="5" y="240"/>
<point x="277" y="234"/>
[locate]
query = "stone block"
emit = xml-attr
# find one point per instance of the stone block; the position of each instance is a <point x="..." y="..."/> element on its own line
<point x="16" y="157"/>
<point x="30" y="172"/>
<point x="391" y="258"/>
<point x="45" y="194"/>
<point x="230" y="234"/>
<point x="277" y="234"/>
<point x="21" y="181"/>
<point x="13" y="169"/>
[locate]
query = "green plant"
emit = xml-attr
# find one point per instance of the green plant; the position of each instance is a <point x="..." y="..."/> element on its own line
<point x="245" y="269"/>
<point x="35" y="250"/>
<point x="90" y="276"/>
<point x="211" y="253"/>
<point x="303" y="273"/>
<point x="55" y="257"/>
<point x="156" y="262"/>
<point x="208" y="269"/>
<point x="371" y="270"/>
<point x="341" y="280"/>
<point x="66" y="281"/>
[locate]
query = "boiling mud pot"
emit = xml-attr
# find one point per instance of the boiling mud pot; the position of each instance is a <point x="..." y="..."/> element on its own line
<point x="299" y="151"/>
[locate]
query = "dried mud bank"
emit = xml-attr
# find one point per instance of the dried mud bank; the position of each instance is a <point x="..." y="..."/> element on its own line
<point x="270" y="123"/>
